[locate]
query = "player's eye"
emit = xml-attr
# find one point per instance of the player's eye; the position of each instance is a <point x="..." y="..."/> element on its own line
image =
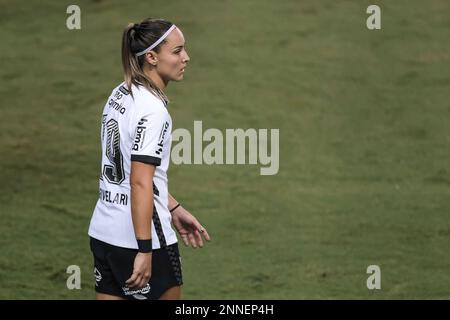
<point x="179" y="49"/>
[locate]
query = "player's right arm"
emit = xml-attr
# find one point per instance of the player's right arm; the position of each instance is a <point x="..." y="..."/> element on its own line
<point x="141" y="183"/>
<point x="147" y="123"/>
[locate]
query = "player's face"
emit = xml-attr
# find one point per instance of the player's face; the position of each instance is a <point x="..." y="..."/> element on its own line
<point x="172" y="57"/>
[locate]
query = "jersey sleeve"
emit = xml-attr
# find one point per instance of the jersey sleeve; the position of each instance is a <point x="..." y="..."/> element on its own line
<point x="149" y="129"/>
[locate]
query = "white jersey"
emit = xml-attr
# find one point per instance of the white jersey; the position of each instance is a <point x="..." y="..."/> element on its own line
<point x="136" y="129"/>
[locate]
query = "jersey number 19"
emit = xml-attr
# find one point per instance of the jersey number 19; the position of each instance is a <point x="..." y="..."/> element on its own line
<point x="114" y="171"/>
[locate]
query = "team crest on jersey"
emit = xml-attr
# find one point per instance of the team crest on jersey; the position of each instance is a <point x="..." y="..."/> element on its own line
<point x="140" y="134"/>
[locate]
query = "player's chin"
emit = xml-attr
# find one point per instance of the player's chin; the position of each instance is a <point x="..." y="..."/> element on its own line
<point x="178" y="77"/>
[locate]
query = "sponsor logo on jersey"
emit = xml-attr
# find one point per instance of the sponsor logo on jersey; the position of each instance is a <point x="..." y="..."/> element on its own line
<point x="116" y="106"/>
<point x="140" y="134"/>
<point x="162" y="135"/>
<point x="124" y="90"/>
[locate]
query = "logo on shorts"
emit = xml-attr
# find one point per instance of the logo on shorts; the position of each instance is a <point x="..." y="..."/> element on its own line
<point x="137" y="294"/>
<point x="98" y="276"/>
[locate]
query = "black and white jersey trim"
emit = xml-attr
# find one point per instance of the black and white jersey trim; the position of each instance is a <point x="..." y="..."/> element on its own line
<point x="146" y="159"/>
<point x="158" y="229"/>
<point x="173" y="256"/>
<point x="155" y="190"/>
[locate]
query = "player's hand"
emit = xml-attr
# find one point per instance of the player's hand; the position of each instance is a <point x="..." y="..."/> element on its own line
<point x="142" y="271"/>
<point x="191" y="231"/>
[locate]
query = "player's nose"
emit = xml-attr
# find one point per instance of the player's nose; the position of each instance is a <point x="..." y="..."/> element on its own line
<point x="186" y="57"/>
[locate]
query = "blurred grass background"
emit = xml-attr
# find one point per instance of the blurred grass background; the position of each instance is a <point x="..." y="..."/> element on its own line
<point x="364" y="145"/>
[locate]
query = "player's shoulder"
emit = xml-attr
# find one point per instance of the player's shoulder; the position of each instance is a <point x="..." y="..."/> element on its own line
<point x="120" y="90"/>
<point x="146" y="102"/>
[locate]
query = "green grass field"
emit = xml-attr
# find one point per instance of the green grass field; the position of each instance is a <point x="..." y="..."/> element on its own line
<point x="364" y="145"/>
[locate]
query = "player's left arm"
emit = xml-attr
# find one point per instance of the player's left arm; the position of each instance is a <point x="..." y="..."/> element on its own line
<point x="188" y="227"/>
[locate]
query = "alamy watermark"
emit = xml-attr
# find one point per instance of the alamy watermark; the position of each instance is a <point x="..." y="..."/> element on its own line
<point x="373" y="22"/>
<point x="74" y="280"/>
<point x="74" y="20"/>
<point x="374" y="280"/>
<point x="236" y="146"/>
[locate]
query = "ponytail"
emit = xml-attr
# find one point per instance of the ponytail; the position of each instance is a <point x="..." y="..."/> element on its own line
<point x="135" y="38"/>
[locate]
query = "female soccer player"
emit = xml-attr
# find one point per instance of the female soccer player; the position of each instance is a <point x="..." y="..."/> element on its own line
<point x="134" y="245"/>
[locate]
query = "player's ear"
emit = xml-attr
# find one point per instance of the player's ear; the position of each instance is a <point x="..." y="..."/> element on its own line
<point x="151" y="58"/>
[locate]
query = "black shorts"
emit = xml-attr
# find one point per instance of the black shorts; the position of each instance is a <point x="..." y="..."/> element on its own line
<point x="114" y="265"/>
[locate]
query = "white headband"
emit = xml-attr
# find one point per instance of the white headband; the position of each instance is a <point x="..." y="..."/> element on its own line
<point x="156" y="42"/>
